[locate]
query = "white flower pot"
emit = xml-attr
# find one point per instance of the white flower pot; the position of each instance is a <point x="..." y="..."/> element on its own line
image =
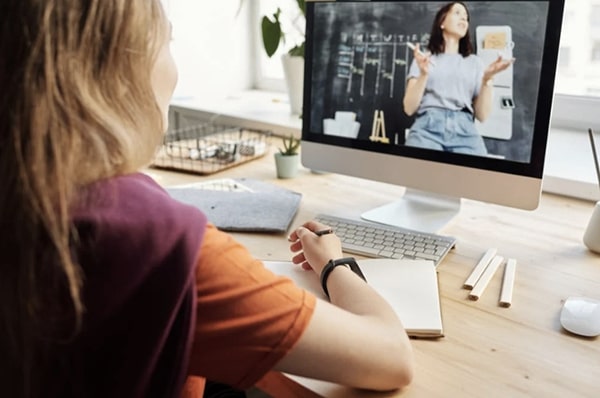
<point x="293" y="70"/>
<point x="287" y="165"/>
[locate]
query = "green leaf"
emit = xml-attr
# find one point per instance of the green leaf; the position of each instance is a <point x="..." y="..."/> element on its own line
<point x="302" y="6"/>
<point x="290" y="146"/>
<point x="271" y="33"/>
<point x="297" y="51"/>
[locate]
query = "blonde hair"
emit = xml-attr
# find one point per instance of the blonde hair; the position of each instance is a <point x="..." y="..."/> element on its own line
<point x="76" y="106"/>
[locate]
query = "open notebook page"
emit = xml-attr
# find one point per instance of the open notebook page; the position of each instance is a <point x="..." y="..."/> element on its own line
<point x="410" y="286"/>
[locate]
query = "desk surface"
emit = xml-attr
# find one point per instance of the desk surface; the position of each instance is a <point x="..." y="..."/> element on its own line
<point x="488" y="351"/>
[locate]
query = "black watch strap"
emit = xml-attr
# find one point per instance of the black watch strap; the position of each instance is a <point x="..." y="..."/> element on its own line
<point x="348" y="261"/>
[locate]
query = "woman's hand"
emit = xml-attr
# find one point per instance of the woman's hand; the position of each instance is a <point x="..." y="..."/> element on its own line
<point x="312" y="251"/>
<point x="497" y="66"/>
<point x="423" y="60"/>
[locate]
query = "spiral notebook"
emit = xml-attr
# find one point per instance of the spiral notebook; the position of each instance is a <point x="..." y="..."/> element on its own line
<point x="409" y="286"/>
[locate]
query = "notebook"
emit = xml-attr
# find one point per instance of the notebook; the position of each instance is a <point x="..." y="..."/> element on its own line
<point x="410" y="286"/>
<point x="242" y="204"/>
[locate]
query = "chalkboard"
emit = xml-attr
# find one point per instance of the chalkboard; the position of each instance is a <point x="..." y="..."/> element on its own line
<point x="359" y="62"/>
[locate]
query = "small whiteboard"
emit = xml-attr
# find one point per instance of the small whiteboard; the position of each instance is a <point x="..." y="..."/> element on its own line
<point x="491" y="42"/>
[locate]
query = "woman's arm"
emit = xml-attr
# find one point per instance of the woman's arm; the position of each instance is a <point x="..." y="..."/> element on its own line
<point x="355" y="340"/>
<point x="415" y="87"/>
<point x="482" y="104"/>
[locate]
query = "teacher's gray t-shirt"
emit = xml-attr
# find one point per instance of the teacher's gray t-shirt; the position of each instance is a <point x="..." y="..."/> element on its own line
<point x="453" y="82"/>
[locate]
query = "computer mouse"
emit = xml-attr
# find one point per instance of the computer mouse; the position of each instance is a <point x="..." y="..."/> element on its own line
<point x="581" y="315"/>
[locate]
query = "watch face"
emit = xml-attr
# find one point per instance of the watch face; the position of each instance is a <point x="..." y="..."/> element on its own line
<point x="350" y="262"/>
<point x="344" y="261"/>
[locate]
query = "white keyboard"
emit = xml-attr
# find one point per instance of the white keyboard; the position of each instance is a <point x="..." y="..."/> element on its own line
<point x="378" y="240"/>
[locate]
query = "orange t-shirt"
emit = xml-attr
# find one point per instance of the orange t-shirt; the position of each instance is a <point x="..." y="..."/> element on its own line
<point x="247" y="318"/>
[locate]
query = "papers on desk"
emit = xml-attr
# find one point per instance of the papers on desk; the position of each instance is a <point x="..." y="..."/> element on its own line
<point x="410" y="286"/>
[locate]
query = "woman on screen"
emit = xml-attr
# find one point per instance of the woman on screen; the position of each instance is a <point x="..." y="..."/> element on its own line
<point x="108" y="286"/>
<point x="450" y="87"/>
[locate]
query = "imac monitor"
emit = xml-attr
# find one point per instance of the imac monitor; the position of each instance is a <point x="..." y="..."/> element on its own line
<point x="447" y="132"/>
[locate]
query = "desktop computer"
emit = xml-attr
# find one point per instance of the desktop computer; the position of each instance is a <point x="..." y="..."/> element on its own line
<point x="359" y="63"/>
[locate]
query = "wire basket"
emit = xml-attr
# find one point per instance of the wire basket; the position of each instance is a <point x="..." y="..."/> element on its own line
<point x="208" y="148"/>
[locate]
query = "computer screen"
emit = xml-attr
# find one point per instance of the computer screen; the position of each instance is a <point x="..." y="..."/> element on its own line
<point x="450" y="100"/>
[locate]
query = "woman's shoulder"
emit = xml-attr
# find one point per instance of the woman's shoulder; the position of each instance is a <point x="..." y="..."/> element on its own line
<point x="133" y="195"/>
<point x="127" y="210"/>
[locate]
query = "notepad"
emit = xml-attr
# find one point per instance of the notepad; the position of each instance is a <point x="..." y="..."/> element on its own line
<point x="409" y="286"/>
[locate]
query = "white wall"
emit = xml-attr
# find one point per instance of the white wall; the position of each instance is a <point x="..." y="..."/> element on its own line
<point x="212" y="46"/>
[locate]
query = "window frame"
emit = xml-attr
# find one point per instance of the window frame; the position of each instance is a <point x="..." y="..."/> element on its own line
<point x="575" y="112"/>
<point x="262" y="82"/>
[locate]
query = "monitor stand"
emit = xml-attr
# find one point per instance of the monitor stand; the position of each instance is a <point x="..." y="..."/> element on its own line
<point x="418" y="210"/>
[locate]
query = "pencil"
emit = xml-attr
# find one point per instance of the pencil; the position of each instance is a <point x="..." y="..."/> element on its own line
<point x="324" y="232"/>
<point x="485" y="278"/>
<point x="508" y="282"/>
<point x="479" y="268"/>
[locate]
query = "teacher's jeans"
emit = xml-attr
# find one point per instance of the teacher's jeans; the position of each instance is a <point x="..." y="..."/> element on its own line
<point x="446" y="130"/>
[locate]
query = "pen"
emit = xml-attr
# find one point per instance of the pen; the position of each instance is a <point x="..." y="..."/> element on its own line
<point x="412" y="47"/>
<point x="319" y="233"/>
<point x="591" y="134"/>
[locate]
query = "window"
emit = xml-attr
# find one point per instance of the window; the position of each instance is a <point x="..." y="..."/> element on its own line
<point x="269" y="71"/>
<point x="595" y="15"/>
<point x="596" y="51"/>
<point x="582" y="18"/>
<point x="577" y="99"/>
<point x="564" y="58"/>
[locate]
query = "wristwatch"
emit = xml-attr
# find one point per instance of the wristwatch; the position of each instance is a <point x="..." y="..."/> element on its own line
<point x="348" y="262"/>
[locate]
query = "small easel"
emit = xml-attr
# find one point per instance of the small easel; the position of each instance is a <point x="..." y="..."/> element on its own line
<point x="378" y="130"/>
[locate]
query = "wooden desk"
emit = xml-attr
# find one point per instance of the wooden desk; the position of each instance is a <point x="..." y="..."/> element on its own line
<point x="488" y="351"/>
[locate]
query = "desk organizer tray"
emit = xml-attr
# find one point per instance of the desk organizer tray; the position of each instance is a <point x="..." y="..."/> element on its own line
<point x="209" y="148"/>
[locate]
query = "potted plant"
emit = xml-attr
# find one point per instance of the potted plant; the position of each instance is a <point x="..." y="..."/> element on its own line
<point x="287" y="159"/>
<point x="293" y="60"/>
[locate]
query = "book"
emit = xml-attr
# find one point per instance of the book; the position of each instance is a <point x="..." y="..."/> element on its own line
<point x="409" y="286"/>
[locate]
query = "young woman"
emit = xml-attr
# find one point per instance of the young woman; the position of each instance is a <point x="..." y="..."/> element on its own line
<point x="110" y="288"/>
<point x="450" y="87"/>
